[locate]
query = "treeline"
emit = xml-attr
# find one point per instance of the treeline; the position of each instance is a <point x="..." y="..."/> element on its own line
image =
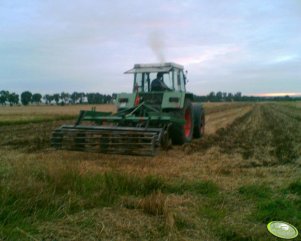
<point x="27" y="97"/>
<point x="63" y="98"/>
<point x="229" y="97"/>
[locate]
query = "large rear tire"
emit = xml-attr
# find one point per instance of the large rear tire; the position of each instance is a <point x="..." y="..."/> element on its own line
<point x="199" y="121"/>
<point x="181" y="134"/>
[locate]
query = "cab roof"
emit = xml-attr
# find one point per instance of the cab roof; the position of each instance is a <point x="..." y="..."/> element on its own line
<point x="154" y="68"/>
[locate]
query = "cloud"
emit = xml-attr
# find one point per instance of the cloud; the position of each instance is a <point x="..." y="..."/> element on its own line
<point x="284" y="58"/>
<point x="248" y="46"/>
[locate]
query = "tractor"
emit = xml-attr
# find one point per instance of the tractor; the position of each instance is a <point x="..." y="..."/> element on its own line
<point x="153" y="117"/>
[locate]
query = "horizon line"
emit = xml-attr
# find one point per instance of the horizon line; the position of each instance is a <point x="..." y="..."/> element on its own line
<point x="278" y="94"/>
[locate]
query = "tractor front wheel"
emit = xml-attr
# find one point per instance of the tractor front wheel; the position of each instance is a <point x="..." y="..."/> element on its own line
<point x="181" y="134"/>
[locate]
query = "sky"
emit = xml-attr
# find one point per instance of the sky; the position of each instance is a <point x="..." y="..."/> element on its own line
<point x="50" y="46"/>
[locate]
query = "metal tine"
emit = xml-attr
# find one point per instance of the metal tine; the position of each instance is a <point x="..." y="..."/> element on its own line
<point x="147" y="151"/>
<point x="98" y="140"/>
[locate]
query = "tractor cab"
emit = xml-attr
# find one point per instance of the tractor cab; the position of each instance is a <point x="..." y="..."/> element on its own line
<point x="171" y="75"/>
<point x="160" y="85"/>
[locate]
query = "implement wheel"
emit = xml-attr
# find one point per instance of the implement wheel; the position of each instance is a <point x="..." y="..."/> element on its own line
<point x="181" y="134"/>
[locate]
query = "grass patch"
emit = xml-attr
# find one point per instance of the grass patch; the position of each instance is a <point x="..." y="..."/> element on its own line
<point x="255" y="191"/>
<point x="212" y="211"/>
<point x="154" y="204"/>
<point x="207" y="188"/>
<point x="273" y="205"/>
<point x="182" y="224"/>
<point x="285" y="150"/>
<point x="295" y="188"/>
<point x="278" y="209"/>
<point x="37" y="193"/>
<point x="226" y="234"/>
<point x="44" y="196"/>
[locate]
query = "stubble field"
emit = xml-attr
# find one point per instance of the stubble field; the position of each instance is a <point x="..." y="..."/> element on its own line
<point x="227" y="185"/>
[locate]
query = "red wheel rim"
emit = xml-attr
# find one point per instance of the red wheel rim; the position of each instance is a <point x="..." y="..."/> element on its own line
<point x="187" y="126"/>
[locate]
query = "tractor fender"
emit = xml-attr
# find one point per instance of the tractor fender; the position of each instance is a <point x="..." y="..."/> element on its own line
<point x="175" y="100"/>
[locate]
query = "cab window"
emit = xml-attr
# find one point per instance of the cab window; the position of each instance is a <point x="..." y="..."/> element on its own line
<point x="143" y="81"/>
<point x="182" y="80"/>
<point x="176" y="80"/>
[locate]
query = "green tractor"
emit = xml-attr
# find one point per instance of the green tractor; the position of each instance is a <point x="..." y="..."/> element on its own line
<point x="159" y="112"/>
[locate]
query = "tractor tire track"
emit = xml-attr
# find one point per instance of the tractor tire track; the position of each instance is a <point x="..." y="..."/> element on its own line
<point x="260" y="136"/>
<point x="286" y="133"/>
<point x="216" y="120"/>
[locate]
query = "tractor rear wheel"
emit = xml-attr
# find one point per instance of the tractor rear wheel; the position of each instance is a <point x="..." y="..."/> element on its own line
<point x="199" y="121"/>
<point x="181" y="134"/>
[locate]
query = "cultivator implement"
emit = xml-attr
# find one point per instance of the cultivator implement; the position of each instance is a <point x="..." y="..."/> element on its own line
<point x="119" y="140"/>
<point x="120" y="133"/>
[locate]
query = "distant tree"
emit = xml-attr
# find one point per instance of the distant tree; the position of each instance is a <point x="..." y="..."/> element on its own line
<point x="230" y="97"/>
<point x="200" y="98"/>
<point x="56" y="98"/>
<point x="224" y="96"/>
<point x="65" y="97"/>
<point x="211" y="96"/>
<point x="107" y="99"/>
<point x="82" y="95"/>
<point x="114" y="96"/>
<point x="16" y="99"/>
<point x="95" y="98"/>
<point x="36" y="98"/>
<point x="91" y="98"/>
<point x="48" y="98"/>
<point x="13" y="99"/>
<point x="26" y="97"/>
<point x="74" y="97"/>
<point x="219" y="96"/>
<point x="4" y="94"/>
<point x="237" y="96"/>
<point x="99" y="98"/>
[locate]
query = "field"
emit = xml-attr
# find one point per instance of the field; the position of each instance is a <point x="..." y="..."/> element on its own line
<point x="227" y="185"/>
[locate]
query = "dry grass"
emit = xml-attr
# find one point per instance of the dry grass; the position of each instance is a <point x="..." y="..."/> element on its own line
<point x="213" y="107"/>
<point x="208" y="190"/>
<point x="103" y="224"/>
<point x="41" y="113"/>
<point x="52" y="110"/>
<point x="218" y="119"/>
<point x="296" y="104"/>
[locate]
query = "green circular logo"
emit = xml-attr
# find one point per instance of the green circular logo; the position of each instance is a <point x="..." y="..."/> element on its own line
<point x="282" y="230"/>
